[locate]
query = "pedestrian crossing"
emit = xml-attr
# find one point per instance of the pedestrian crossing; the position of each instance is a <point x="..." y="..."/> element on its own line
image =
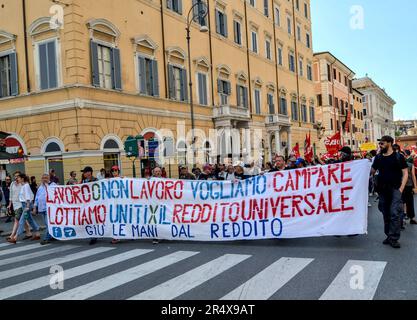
<point x="25" y="271"/>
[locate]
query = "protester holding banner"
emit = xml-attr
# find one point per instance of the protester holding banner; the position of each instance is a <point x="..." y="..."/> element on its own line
<point x="390" y="184"/>
<point x="87" y="177"/>
<point x="207" y="173"/>
<point x="185" y="175"/>
<point x="40" y="205"/>
<point x="279" y="164"/>
<point x="115" y="174"/>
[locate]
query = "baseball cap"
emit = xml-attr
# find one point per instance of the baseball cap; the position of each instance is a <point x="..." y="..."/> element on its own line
<point x="388" y="139"/>
<point x="87" y="169"/>
<point x="299" y="161"/>
<point x="115" y="168"/>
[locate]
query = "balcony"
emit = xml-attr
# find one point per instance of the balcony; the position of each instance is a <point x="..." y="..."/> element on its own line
<point x="275" y="120"/>
<point x="228" y="112"/>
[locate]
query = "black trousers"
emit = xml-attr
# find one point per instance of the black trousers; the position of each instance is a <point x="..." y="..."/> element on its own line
<point x="408" y="198"/>
<point x="391" y="206"/>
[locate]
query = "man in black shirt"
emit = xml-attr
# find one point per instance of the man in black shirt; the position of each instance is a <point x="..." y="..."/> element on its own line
<point x="391" y="181"/>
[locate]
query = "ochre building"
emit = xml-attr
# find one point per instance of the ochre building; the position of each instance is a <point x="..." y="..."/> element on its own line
<point x="78" y="77"/>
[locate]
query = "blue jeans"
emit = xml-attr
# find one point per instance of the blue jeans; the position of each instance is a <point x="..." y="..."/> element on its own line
<point x="47" y="236"/>
<point x="22" y="221"/>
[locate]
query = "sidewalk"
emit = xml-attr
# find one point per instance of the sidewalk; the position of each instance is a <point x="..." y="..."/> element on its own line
<point x="8" y="227"/>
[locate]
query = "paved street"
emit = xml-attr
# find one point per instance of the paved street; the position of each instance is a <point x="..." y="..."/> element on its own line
<point x="319" y="268"/>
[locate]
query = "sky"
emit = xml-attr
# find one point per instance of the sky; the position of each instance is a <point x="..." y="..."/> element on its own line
<point x="374" y="37"/>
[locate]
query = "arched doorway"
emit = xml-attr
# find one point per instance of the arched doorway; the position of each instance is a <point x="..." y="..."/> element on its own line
<point x="52" y="151"/>
<point x="13" y="144"/>
<point x="111" y="152"/>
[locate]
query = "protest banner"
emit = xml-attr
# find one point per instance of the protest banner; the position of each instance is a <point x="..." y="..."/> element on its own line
<point x="309" y="202"/>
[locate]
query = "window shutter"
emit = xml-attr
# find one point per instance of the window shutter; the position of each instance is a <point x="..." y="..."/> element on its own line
<point x="14" y="82"/>
<point x="142" y="75"/>
<point x="205" y="90"/>
<point x="180" y="6"/>
<point x="171" y="81"/>
<point x="245" y="97"/>
<point x="217" y="21"/>
<point x="225" y="25"/>
<point x="219" y="86"/>
<point x="52" y="66"/>
<point x="196" y="11"/>
<point x="238" y="95"/>
<point x="228" y="88"/>
<point x="94" y="64"/>
<point x="155" y="78"/>
<point x="43" y="66"/>
<point x="184" y="91"/>
<point x="169" y="4"/>
<point x="116" y="69"/>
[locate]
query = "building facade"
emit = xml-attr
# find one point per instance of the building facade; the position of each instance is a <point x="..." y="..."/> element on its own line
<point x="78" y="78"/>
<point x="358" y="129"/>
<point x="333" y="86"/>
<point x="378" y="110"/>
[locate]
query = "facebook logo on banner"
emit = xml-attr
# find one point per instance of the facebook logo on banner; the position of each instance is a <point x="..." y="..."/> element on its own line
<point x="69" y="232"/>
<point x="57" y="232"/>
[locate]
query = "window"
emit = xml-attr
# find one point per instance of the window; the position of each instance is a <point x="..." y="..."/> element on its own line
<point x="202" y="89"/>
<point x="306" y="10"/>
<point x="301" y="67"/>
<point x="297" y="4"/>
<point x="48" y="65"/>
<point x="8" y="76"/>
<point x="334" y="74"/>
<point x="340" y="77"/>
<point x="336" y="102"/>
<point x="331" y="124"/>
<point x="270" y="101"/>
<point x="294" y="111"/>
<point x="280" y="55"/>
<point x="346" y="81"/>
<point x="175" y="5"/>
<point x="309" y="72"/>
<point x="177" y="83"/>
<point x="298" y="33"/>
<point x="303" y="113"/>
<point x="252" y="3"/>
<point x="329" y="75"/>
<point x="148" y="77"/>
<point x="283" y="106"/>
<point x="242" y="96"/>
<point x="266" y="8"/>
<point x="268" y="49"/>
<point x="312" y="115"/>
<point x="221" y="23"/>
<point x="308" y="41"/>
<point x="330" y="100"/>
<point x="106" y="67"/>
<point x="257" y="101"/>
<point x="277" y="17"/>
<point x="197" y="9"/>
<point x="291" y="60"/>
<point x="320" y="100"/>
<point x="364" y="112"/>
<point x="254" y="42"/>
<point x="237" y="32"/>
<point x="224" y="89"/>
<point x="289" y="29"/>
<point x="111" y="154"/>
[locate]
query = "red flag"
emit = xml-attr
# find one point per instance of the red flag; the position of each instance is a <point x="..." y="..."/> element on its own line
<point x="348" y="120"/>
<point x="308" y="149"/>
<point x="296" y="151"/>
<point x="333" y="144"/>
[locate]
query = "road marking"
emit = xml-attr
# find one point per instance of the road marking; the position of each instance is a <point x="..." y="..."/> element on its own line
<point x="52" y="262"/>
<point x="5" y="245"/>
<point x="191" y="279"/>
<point x="36" y="254"/>
<point x="107" y="283"/>
<point x="341" y="288"/>
<point x="41" y="282"/>
<point x="17" y="249"/>
<point x="263" y="285"/>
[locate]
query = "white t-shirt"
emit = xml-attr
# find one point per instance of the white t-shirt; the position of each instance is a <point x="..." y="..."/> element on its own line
<point x="229" y="176"/>
<point x="14" y="195"/>
<point x="26" y="193"/>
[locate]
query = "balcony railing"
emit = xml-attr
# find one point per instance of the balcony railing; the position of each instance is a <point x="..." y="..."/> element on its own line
<point x="277" y="119"/>
<point x="231" y="112"/>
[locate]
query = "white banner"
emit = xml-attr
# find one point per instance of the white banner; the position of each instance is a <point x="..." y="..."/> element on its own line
<point x="310" y="202"/>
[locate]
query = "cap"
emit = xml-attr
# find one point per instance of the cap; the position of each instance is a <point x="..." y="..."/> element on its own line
<point x="299" y="161"/>
<point x="388" y="139"/>
<point x="346" y="150"/>
<point x="115" y="168"/>
<point x="87" y="169"/>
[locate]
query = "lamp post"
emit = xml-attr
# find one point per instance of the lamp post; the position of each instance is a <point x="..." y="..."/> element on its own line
<point x="201" y="14"/>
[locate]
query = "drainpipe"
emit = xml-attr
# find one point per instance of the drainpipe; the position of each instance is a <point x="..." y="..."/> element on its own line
<point x="26" y="46"/>
<point x="163" y="49"/>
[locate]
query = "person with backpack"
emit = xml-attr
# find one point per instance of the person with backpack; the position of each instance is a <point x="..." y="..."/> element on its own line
<point x="408" y="194"/>
<point x="390" y="185"/>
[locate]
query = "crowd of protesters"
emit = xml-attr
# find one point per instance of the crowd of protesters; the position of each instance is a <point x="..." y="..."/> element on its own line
<point x="393" y="179"/>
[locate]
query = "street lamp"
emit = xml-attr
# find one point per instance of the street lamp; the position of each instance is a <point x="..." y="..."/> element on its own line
<point x="201" y="14"/>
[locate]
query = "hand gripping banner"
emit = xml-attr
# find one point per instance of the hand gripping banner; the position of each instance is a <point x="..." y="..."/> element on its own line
<point x="310" y="202"/>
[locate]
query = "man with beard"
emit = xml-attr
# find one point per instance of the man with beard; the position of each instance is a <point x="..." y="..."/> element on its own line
<point x="392" y="179"/>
